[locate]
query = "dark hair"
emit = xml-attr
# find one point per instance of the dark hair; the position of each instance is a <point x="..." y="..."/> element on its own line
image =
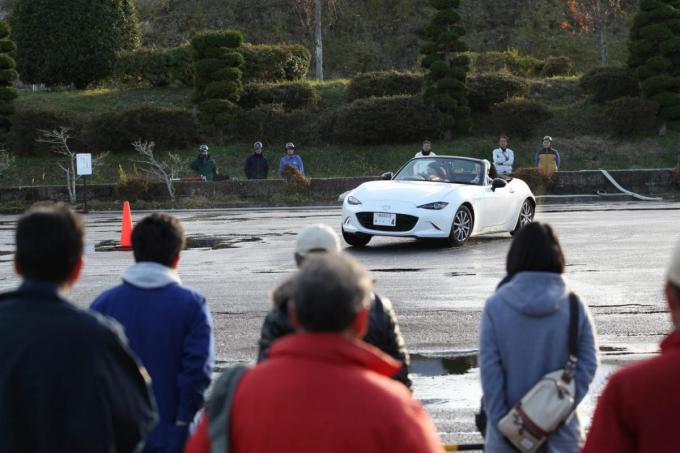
<point x="535" y="248"/>
<point x="329" y="291"/>
<point x="504" y="136"/>
<point x="158" y="238"/>
<point x="49" y="243"/>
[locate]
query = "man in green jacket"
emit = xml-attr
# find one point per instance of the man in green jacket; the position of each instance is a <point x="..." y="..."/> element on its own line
<point x="204" y="165"/>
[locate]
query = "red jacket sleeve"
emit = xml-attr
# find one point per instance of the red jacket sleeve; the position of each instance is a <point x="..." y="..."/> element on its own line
<point x="199" y="442"/>
<point x="609" y="431"/>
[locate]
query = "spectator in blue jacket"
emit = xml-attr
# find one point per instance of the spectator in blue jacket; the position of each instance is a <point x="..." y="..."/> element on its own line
<point x="169" y="328"/>
<point x="292" y="159"/>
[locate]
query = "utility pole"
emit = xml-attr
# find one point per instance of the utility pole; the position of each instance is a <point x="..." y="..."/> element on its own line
<point x="318" y="43"/>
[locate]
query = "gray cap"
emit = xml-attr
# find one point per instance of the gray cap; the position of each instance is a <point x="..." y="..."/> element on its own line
<point x="547" y="137"/>
<point x="257" y="145"/>
<point x="317" y="237"/>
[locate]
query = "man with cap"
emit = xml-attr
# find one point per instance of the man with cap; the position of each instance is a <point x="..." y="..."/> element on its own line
<point x="257" y="166"/>
<point x="638" y="410"/>
<point x="204" y="165"/>
<point x="292" y="159"/>
<point x="547" y="158"/>
<point x="383" y="329"/>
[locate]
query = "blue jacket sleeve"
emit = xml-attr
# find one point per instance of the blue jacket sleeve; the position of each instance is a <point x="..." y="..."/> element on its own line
<point x="198" y="359"/>
<point x="491" y="370"/>
<point x="281" y="165"/>
<point x="536" y="159"/>
<point x="587" y="354"/>
<point x="302" y="166"/>
<point x="557" y="158"/>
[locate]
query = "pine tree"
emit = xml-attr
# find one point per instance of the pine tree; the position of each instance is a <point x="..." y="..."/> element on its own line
<point x="654" y="52"/>
<point x="447" y="67"/>
<point x="7" y="76"/>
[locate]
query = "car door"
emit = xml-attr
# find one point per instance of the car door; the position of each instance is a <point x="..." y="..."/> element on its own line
<point x="493" y="207"/>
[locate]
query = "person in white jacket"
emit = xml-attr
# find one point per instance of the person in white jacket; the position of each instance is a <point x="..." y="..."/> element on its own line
<point x="503" y="157"/>
<point x="426" y="150"/>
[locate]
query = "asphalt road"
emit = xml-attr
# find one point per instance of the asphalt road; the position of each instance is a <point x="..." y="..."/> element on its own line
<point x="616" y="255"/>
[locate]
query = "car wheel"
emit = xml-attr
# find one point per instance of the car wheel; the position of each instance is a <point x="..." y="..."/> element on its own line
<point x="461" y="228"/>
<point x="356" y="239"/>
<point x="526" y="216"/>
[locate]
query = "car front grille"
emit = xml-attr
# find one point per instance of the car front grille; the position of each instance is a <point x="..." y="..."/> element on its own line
<point x="404" y="222"/>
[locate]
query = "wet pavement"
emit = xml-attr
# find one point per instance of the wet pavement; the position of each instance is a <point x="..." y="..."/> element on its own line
<point x="616" y="255"/>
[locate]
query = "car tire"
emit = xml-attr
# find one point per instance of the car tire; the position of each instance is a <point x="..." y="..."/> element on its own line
<point x="526" y="215"/>
<point x="461" y="227"/>
<point x="356" y="239"/>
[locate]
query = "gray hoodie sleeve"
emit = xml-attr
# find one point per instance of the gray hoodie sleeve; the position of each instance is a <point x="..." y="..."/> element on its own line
<point x="587" y="353"/>
<point x="491" y="370"/>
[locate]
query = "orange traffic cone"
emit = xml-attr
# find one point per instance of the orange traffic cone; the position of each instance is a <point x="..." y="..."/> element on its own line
<point x="126" y="227"/>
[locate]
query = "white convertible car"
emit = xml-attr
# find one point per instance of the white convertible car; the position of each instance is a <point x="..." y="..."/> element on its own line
<point x="445" y="197"/>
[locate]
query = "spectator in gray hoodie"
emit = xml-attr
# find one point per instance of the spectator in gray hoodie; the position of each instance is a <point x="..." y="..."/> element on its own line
<point x="524" y="332"/>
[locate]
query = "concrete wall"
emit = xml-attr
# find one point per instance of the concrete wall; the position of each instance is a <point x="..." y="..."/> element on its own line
<point x="327" y="189"/>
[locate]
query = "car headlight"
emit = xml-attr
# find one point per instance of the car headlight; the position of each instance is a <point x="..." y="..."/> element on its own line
<point x="437" y="205"/>
<point x="353" y="200"/>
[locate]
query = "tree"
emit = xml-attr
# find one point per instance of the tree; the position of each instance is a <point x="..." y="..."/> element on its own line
<point x="588" y="16"/>
<point x="7" y="76"/>
<point x="654" y="53"/>
<point x="310" y="12"/>
<point x="166" y="171"/>
<point x="447" y="67"/>
<point x="64" y="42"/>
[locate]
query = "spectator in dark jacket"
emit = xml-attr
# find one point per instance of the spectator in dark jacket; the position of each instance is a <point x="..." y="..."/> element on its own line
<point x="68" y="382"/>
<point x="169" y="327"/>
<point x="256" y="164"/>
<point x="383" y="329"/>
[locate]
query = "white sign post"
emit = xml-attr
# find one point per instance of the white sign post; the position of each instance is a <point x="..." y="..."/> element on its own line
<point x="84" y="169"/>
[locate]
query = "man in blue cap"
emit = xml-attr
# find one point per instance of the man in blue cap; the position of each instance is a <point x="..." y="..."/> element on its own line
<point x="292" y="159"/>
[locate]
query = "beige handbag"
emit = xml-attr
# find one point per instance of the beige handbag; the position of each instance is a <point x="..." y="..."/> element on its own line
<point x="549" y="403"/>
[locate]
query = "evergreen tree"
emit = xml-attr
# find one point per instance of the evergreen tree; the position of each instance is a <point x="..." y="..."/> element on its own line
<point x="7" y="76"/>
<point x="64" y="42"/>
<point x="654" y="52"/>
<point x="447" y="67"/>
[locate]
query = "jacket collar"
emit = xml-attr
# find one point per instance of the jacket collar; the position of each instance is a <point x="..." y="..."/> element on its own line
<point x="148" y="275"/>
<point x="671" y="342"/>
<point x="336" y="349"/>
<point x="46" y="290"/>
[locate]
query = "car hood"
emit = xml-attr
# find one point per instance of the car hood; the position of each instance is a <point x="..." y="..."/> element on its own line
<point x="408" y="191"/>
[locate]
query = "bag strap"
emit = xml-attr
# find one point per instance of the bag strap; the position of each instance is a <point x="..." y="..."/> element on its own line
<point x="572" y="347"/>
<point x="218" y="408"/>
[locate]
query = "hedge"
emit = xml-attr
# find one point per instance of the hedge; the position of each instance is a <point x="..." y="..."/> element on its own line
<point x="392" y="119"/>
<point x="7" y="77"/>
<point x="156" y="67"/>
<point x="609" y="82"/>
<point x="27" y="124"/>
<point x="509" y="61"/>
<point x="273" y="124"/>
<point x="557" y="66"/>
<point x="275" y="63"/>
<point x="630" y="116"/>
<point x="384" y="83"/>
<point x="291" y="95"/>
<point x="519" y="116"/>
<point x="489" y="89"/>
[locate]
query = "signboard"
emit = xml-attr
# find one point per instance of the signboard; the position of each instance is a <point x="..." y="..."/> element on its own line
<point x="84" y="164"/>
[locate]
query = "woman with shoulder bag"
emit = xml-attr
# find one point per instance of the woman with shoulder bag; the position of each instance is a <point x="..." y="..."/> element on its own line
<point x="525" y="332"/>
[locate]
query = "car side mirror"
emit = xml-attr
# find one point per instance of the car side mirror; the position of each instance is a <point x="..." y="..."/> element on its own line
<point x="498" y="183"/>
<point x="387" y="176"/>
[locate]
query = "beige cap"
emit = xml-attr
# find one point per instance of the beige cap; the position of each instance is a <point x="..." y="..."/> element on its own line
<point x="674" y="269"/>
<point x="318" y="237"/>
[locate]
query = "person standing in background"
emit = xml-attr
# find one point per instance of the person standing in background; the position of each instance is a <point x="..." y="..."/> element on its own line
<point x="503" y="157"/>
<point x="257" y="166"/>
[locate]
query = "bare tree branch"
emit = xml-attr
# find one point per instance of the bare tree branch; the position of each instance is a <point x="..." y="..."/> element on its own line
<point x="164" y="170"/>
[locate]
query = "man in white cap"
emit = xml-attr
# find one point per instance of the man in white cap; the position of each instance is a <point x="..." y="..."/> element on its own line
<point x="383" y="330"/>
<point x="638" y="411"/>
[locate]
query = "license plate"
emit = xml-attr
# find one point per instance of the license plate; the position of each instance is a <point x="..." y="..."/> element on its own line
<point x="384" y="219"/>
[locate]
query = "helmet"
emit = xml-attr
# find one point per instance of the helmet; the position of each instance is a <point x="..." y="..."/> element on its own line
<point x="290" y="145"/>
<point x="203" y="149"/>
<point x="547" y="137"/>
<point x="257" y="145"/>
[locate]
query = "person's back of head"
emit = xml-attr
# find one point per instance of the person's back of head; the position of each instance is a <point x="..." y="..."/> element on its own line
<point x="316" y="238"/>
<point x="535" y="248"/>
<point x="331" y="293"/>
<point x="158" y="238"/>
<point x="49" y="244"/>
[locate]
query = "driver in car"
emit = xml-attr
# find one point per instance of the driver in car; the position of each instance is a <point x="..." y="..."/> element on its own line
<point x="436" y="172"/>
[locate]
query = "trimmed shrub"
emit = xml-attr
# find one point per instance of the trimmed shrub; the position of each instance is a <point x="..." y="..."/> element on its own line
<point x="27" y="124"/>
<point x="72" y="42"/>
<point x="273" y="124"/>
<point x="609" y="82"/>
<point x="384" y="83"/>
<point x="509" y="61"/>
<point x="7" y="76"/>
<point x="396" y="119"/>
<point x="156" y="67"/>
<point x="538" y="181"/>
<point x="115" y="131"/>
<point x="489" y="89"/>
<point x="291" y="95"/>
<point x="557" y="66"/>
<point x="275" y="63"/>
<point x="630" y="116"/>
<point x="519" y="116"/>
<point x="217" y="75"/>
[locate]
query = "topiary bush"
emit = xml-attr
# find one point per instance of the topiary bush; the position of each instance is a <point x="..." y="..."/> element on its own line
<point x="27" y="124"/>
<point x="7" y="64"/>
<point x="609" y="82"/>
<point x="72" y="42"/>
<point x="508" y="61"/>
<point x="630" y="116"/>
<point x="291" y="95"/>
<point x="275" y="63"/>
<point x="383" y="83"/>
<point x="218" y="79"/>
<point x="155" y="67"/>
<point x="557" y="66"/>
<point x="520" y="116"/>
<point x="395" y="119"/>
<point x="273" y="124"/>
<point x="169" y="128"/>
<point x="489" y="89"/>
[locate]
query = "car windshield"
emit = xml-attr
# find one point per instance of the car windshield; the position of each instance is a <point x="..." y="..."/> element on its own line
<point x="460" y="171"/>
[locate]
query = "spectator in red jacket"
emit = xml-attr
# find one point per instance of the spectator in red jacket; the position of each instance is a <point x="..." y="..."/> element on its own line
<point x="638" y="411"/>
<point x="322" y="389"/>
